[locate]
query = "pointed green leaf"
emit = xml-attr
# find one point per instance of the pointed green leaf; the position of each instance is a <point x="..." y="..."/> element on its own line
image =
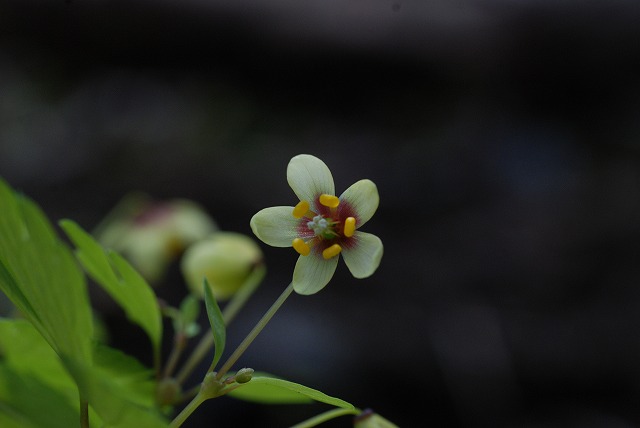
<point x="264" y="386"/>
<point x="217" y="323"/>
<point x="26" y="401"/>
<point x="40" y="276"/>
<point x="123" y="283"/>
<point x="141" y="302"/>
<point x="267" y="394"/>
<point x="10" y="419"/>
<point x="27" y="354"/>
<point x="135" y="382"/>
<point x="109" y="401"/>
<point x="189" y="309"/>
<point x="187" y="321"/>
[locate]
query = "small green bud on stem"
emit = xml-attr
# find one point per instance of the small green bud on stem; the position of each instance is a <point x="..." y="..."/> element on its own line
<point x="244" y="375"/>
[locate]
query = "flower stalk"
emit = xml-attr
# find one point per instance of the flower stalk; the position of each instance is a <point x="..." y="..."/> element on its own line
<point x="254" y="332"/>
<point x="228" y="314"/>
<point x="212" y="385"/>
<point x="84" y="413"/>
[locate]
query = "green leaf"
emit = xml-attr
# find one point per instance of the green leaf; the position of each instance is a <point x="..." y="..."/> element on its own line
<point x="32" y="378"/>
<point x="26" y="401"/>
<point x="28" y="355"/>
<point x="42" y="380"/>
<point x="217" y="323"/>
<point x="123" y="283"/>
<point x="26" y="352"/>
<point x="264" y="389"/>
<point x="189" y="309"/>
<point x="40" y="276"/>
<point x="188" y="316"/>
<point x="109" y="401"/>
<point x="135" y="381"/>
<point x="10" y="419"/>
<point x="267" y="394"/>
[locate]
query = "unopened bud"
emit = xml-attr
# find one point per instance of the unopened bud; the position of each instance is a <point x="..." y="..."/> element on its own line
<point x="152" y="234"/>
<point x="244" y="375"/>
<point x="226" y="259"/>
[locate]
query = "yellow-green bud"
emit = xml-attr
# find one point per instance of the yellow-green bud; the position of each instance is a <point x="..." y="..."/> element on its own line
<point x="244" y="375"/>
<point x="152" y="234"/>
<point x="370" y="419"/>
<point x="226" y="259"/>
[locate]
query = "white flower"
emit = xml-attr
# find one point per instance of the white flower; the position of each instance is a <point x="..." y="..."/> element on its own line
<point x="322" y="226"/>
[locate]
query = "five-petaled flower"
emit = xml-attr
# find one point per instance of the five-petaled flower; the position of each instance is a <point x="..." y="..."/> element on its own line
<point x="322" y="226"/>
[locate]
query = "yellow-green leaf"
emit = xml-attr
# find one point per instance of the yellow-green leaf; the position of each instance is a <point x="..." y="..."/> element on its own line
<point x="273" y="390"/>
<point x="40" y="276"/>
<point x="109" y="400"/>
<point x="217" y="323"/>
<point x="123" y="283"/>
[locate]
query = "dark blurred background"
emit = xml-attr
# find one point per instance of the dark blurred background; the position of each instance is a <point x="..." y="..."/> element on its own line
<point x="503" y="136"/>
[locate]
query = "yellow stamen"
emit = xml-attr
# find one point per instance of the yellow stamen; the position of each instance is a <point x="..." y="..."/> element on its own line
<point x="301" y="247"/>
<point x="349" y="227"/>
<point x="332" y="251"/>
<point x="301" y="209"/>
<point x="329" y="200"/>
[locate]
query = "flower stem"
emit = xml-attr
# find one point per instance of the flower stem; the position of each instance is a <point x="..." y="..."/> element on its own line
<point x="187" y="411"/>
<point x="323" y="417"/>
<point x="228" y="314"/>
<point x="179" y="343"/>
<point x="254" y="332"/>
<point x="84" y="413"/>
<point x="211" y="381"/>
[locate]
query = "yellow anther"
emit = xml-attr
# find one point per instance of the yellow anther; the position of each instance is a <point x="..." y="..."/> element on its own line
<point x="301" y="209"/>
<point x="349" y="227"/>
<point x="332" y="251"/>
<point x="301" y="247"/>
<point x="329" y="200"/>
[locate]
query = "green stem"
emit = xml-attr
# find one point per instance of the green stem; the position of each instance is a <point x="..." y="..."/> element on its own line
<point x="179" y="343"/>
<point x="84" y="413"/>
<point x="211" y="381"/>
<point x="189" y="394"/>
<point x="324" y="417"/>
<point x="240" y="298"/>
<point x="157" y="361"/>
<point x="209" y="388"/>
<point x="187" y="411"/>
<point x="255" y="331"/>
<point x="201" y="350"/>
<point x="228" y="314"/>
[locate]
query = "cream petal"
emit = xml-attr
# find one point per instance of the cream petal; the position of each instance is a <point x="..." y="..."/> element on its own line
<point x="312" y="273"/>
<point x="364" y="258"/>
<point x="275" y="226"/>
<point x="363" y="196"/>
<point x="309" y="177"/>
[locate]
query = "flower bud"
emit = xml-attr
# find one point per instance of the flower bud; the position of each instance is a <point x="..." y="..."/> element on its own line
<point x="152" y="234"/>
<point x="226" y="259"/>
<point x="370" y="419"/>
<point x="244" y="375"/>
